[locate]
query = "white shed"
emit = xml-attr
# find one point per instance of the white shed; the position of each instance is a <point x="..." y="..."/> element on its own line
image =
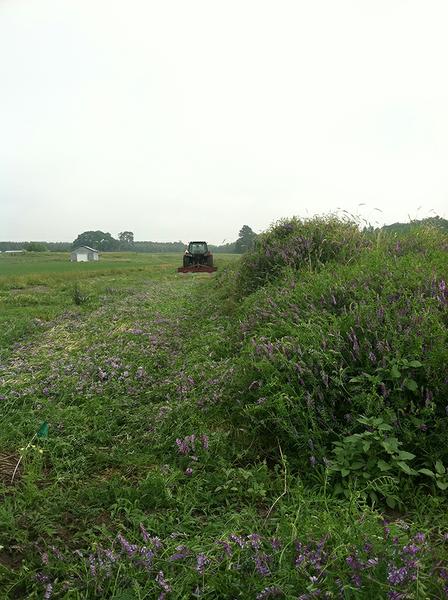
<point x="84" y="254"/>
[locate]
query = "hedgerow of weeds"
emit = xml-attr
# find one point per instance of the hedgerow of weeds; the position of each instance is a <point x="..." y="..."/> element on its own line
<point x="322" y="353"/>
<point x="298" y="244"/>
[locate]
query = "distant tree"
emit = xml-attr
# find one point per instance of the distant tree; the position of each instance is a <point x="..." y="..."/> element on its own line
<point x="35" y="247"/>
<point x="436" y="221"/>
<point x="157" y="247"/>
<point x="126" y="239"/>
<point x="97" y="240"/>
<point x="245" y="240"/>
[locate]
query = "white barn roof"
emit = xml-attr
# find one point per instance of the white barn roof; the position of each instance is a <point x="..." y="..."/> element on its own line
<point x="85" y="247"/>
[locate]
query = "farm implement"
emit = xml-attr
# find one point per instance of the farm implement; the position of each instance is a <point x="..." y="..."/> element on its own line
<point x="197" y="259"/>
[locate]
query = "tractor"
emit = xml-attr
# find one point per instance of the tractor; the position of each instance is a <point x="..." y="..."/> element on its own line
<point x="197" y="259"/>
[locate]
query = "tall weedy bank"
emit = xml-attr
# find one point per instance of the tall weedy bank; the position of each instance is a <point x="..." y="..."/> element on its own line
<point x="343" y="356"/>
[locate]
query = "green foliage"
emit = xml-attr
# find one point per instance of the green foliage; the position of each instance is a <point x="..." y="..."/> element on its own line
<point x="362" y="459"/>
<point x="35" y="247"/>
<point x="297" y="244"/>
<point x="98" y="240"/>
<point x="321" y="346"/>
<point x="246" y="240"/>
<point x="79" y="295"/>
<point x="126" y="239"/>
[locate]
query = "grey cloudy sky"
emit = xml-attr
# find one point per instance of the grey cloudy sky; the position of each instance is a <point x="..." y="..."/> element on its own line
<point x="182" y="119"/>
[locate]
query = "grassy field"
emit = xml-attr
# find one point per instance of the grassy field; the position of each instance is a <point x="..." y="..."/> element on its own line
<point x="35" y="287"/>
<point x="176" y="436"/>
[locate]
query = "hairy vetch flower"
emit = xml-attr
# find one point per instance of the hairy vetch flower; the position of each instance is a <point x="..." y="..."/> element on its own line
<point x="130" y="549"/>
<point x="261" y="564"/>
<point x="160" y="579"/>
<point x="201" y="562"/>
<point x="145" y="534"/>
<point x="255" y="540"/>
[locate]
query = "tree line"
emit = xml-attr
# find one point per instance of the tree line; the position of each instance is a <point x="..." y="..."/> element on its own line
<point x="125" y="242"/>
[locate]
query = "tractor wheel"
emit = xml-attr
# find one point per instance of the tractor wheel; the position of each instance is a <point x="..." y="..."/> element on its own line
<point x="209" y="260"/>
<point x="186" y="261"/>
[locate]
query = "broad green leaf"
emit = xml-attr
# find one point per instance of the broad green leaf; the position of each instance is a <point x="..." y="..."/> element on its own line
<point x="390" y="445"/>
<point x="383" y="466"/>
<point x="441" y="485"/>
<point x="357" y="465"/>
<point x="415" y="364"/>
<point x="391" y="502"/>
<point x="403" y="455"/>
<point x="405" y="467"/>
<point x="426" y="472"/>
<point x="394" y="372"/>
<point x="439" y="467"/>
<point x="345" y="472"/>
<point x="411" y="385"/>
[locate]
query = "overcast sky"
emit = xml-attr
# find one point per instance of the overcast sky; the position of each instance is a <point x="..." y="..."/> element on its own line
<point x="182" y="119"/>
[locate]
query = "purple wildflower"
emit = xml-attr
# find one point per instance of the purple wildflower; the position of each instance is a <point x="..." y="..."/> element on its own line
<point x="188" y="471"/>
<point x="261" y="564"/>
<point x="130" y="549"/>
<point x="356" y="580"/>
<point x="92" y="565"/>
<point x="147" y="555"/>
<point x="201" y="562"/>
<point x="313" y="461"/>
<point x="204" y="441"/>
<point x="411" y="549"/>
<point x="276" y="543"/>
<point x="372" y="562"/>
<point x="255" y="540"/>
<point x="145" y="534"/>
<point x="353" y="563"/>
<point x="182" y="552"/>
<point x="156" y="542"/>
<point x="226" y="547"/>
<point x="182" y="446"/>
<point x="238" y="540"/>
<point x="396" y="576"/>
<point x="160" y="579"/>
<point x="420" y="537"/>
<point x="190" y="440"/>
<point x="48" y="591"/>
<point x="110" y="556"/>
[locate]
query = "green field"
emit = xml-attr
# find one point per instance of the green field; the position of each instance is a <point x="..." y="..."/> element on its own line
<point x="38" y="286"/>
<point x="176" y="436"/>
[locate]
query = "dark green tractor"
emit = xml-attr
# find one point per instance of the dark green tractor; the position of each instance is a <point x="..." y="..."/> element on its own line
<point x="197" y="259"/>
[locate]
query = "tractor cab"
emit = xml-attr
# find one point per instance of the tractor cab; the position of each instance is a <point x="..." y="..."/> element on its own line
<point x="197" y="248"/>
